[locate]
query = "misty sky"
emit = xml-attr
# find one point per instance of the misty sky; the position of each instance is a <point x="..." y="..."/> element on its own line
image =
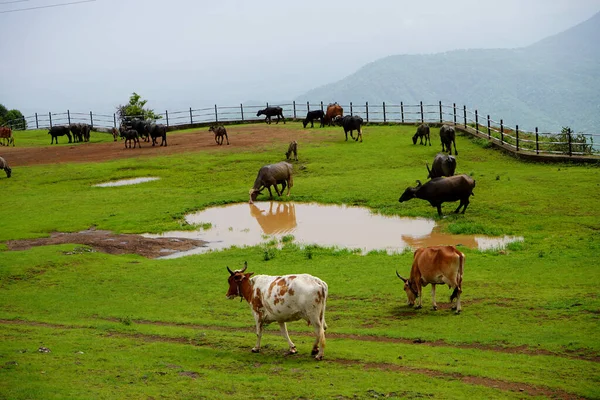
<point x="182" y="53"/>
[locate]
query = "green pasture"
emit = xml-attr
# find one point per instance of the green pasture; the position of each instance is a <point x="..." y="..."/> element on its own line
<point x="136" y="328"/>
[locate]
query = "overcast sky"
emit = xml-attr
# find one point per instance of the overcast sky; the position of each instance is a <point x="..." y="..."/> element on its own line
<point x="182" y="53"/>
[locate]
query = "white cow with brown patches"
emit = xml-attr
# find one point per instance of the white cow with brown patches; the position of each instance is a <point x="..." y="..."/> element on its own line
<point x="282" y="299"/>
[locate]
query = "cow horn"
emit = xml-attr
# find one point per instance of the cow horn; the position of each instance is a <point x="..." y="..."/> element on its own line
<point x="403" y="280"/>
<point x="245" y="266"/>
<point x="428" y="170"/>
<point x="230" y="271"/>
<point x="419" y="184"/>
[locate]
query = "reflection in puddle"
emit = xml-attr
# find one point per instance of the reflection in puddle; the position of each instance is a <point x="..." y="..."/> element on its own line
<point x="124" y="182"/>
<point x="323" y="225"/>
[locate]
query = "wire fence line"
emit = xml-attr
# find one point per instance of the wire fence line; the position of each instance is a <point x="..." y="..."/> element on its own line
<point x="511" y="137"/>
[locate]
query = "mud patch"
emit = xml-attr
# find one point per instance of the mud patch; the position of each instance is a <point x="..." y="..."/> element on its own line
<point x="108" y="242"/>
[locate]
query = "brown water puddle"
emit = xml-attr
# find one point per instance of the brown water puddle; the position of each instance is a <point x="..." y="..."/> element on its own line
<point x="323" y="225"/>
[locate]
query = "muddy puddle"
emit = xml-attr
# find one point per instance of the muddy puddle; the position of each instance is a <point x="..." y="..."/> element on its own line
<point x="324" y="225"/>
<point x="125" y="182"/>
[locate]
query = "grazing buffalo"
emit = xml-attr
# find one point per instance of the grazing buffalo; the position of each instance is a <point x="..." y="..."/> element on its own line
<point x="271" y="112"/>
<point x="333" y="110"/>
<point x="271" y="175"/>
<point x="438" y="265"/>
<point x="6" y="136"/>
<point x="422" y="132"/>
<point x="59" y="130"/>
<point x="5" y="167"/>
<point x="220" y="132"/>
<point x="443" y="165"/>
<point x="447" y="137"/>
<point x="282" y="299"/>
<point x="350" y="123"/>
<point x="157" y="131"/>
<point x="442" y="190"/>
<point x="292" y="149"/>
<point x="311" y="116"/>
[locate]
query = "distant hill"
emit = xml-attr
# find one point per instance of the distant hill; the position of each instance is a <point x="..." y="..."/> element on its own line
<point x="550" y="84"/>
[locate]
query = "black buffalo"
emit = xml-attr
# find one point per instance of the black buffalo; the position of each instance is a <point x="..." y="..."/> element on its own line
<point x="447" y="137"/>
<point x="442" y="190"/>
<point x="157" y="131"/>
<point x="140" y="126"/>
<point x="312" y="115"/>
<point x="422" y="132"/>
<point x="130" y="135"/>
<point x="350" y="123"/>
<point x="443" y="165"/>
<point x="271" y="112"/>
<point x="59" y="130"/>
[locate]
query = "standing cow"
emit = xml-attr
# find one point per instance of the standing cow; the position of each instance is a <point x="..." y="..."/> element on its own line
<point x="220" y="132"/>
<point x="311" y="116"/>
<point x="6" y="136"/>
<point x="271" y="112"/>
<point x="155" y="131"/>
<point x="59" y="130"/>
<point x="333" y="110"/>
<point x="351" y="123"/>
<point x="437" y="265"/>
<point x="448" y="137"/>
<point x="282" y="299"/>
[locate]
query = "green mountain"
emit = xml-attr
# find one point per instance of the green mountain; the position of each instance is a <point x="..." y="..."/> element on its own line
<point x="550" y="84"/>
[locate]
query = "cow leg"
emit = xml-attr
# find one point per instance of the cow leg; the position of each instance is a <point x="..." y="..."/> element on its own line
<point x="225" y="138"/>
<point x="259" y="329"/>
<point x="439" y="209"/>
<point x="463" y="203"/>
<point x="455" y="152"/>
<point x="284" y="333"/>
<point x="359" y="134"/>
<point x="346" y="132"/>
<point x="433" y="296"/>
<point x="271" y="193"/>
<point x="428" y="138"/>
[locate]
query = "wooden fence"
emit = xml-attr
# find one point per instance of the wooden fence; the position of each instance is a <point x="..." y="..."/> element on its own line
<point x="509" y="137"/>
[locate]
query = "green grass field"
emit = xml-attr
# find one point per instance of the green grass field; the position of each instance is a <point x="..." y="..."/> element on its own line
<point x="136" y="328"/>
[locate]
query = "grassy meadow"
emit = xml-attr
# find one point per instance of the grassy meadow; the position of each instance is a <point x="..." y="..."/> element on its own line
<point x="123" y="326"/>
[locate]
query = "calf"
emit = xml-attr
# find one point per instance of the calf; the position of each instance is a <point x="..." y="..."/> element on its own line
<point x="282" y="299"/>
<point x="311" y="116"/>
<point x="271" y="112"/>
<point x="422" y="132"/>
<point x="442" y="190"/>
<point x="220" y="132"/>
<point x="5" y="167"/>
<point x="271" y="175"/>
<point x="437" y="265"/>
<point x="115" y="134"/>
<point x="59" y="130"/>
<point x="6" y="136"/>
<point x="350" y="123"/>
<point x="130" y="135"/>
<point x="443" y="165"/>
<point x="447" y="137"/>
<point x="292" y="149"/>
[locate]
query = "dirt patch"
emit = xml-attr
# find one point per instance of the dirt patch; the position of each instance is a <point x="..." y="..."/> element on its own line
<point x="240" y="137"/>
<point x="108" y="242"/>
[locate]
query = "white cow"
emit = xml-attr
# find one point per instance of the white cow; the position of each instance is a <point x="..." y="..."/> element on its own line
<point x="283" y="299"/>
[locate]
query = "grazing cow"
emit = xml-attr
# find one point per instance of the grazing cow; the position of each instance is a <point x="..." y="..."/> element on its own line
<point x="443" y="165"/>
<point x="130" y="135"/>
<point x="350" y="123"/>
<point x="283" y="299"/>
<point x="271" y="112"/>
<point x="292" y="149"/>
<point x="271" y="175"/>
<point x="311" y="116"/>
<point x="447" y="137"/>
<point x="333" y="110"/>
<point x="6" y="136"/>
<point x="157" y="131"/>
<point x="442" y="190"/>
<point x="59" y="130"/>
<point x="5" y="167"/>
<point x="220" y="132"/>
<point x="422" y="132"/>
<point x="437" y="265"/>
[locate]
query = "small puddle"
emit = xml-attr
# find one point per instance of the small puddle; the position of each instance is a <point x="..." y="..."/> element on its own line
<point x="124" y="182"/>
<point x="323" y="225"/>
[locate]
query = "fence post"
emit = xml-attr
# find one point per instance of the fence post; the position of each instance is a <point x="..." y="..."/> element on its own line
<point x="294" y="103"/>
<point x="50" y="118"/>
<point x="569" y="135"/>
<point x="367" y="110"/>
<point x="476" y="122"/>
<point x="216" y="114"/>
<point x="350" y="108"/>
<point x="167" y="117"/>
<point x="441" y="118"/>
<point x="242" y="110"/>
<point x="402" y="111"/>
<point x="421" y="103"/>
<point x="501" y="132"/>
<point x="465" y="115"/>
<point x="321" y="105"/>
<point x="489" y="130"/>
<point x="307" y="106"/>
<point x="36" y="122"/>
<point x="537" y="143"/>
<point x="454" y="105"/>
<point x="24" y="123"/>
<point x="192" y="119"/>
<point x="517" y="132"/>
<point x="91" y="120"/>
<point x="115" y="119"/>
<point x="384" y="119"/>
<point x="69" y="117"/>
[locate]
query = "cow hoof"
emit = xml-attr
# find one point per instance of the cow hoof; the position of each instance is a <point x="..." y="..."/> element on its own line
<point x="255" y="350"/>
<point x="319" y="357"/>
<point x="417" y="307"/>
<point x="434" y="308"/>
<point x="314" y="352"/>
<point x="457" y="312"/>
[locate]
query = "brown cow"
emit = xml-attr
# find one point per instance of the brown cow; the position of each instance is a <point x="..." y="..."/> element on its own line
<point x="436" y="265"/>
<point x="6" y="136"/>
<point x="333" y="110"/>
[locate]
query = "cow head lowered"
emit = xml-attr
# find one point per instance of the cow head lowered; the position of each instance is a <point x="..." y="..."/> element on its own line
<point x="410" y="289"/>
<point x="442" y="190"/>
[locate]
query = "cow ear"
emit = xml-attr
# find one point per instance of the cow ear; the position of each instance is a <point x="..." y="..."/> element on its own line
<point x="249" y="274"/>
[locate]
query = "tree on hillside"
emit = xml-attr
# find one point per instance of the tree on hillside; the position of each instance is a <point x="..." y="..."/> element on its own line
<point x="3" y="112"/>
<point x="13" y="118"/>
<point x="135" y="109"/>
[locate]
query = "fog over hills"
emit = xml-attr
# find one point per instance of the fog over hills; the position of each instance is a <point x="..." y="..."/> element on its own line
<point x="549" y="84"/>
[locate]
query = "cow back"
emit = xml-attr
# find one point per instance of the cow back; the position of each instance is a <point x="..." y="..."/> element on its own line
<point x="438" y="265"/>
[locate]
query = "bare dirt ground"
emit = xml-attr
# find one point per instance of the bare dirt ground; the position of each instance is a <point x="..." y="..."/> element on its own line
<point x="240" y="137"/>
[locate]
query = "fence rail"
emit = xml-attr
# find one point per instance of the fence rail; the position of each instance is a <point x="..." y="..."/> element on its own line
<point x="510" y="137"/>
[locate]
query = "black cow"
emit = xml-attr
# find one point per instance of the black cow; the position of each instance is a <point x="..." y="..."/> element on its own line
<point x="271" y="112"/>
<point x="312" y="115"/>
<point x="75" y="129"/>
<point x="350" y="123"/>
<point x="59" y="130"/>
<point x="447" y="137"/>
<point x="443" y="165"/>
<point x="85" y="132"/>
<point x="140" y="126"/>
<point x="442" y="190"/>
<point x="156" y="131"/>
<point x="130" y="135"/>
<point x="422" y="132"/>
